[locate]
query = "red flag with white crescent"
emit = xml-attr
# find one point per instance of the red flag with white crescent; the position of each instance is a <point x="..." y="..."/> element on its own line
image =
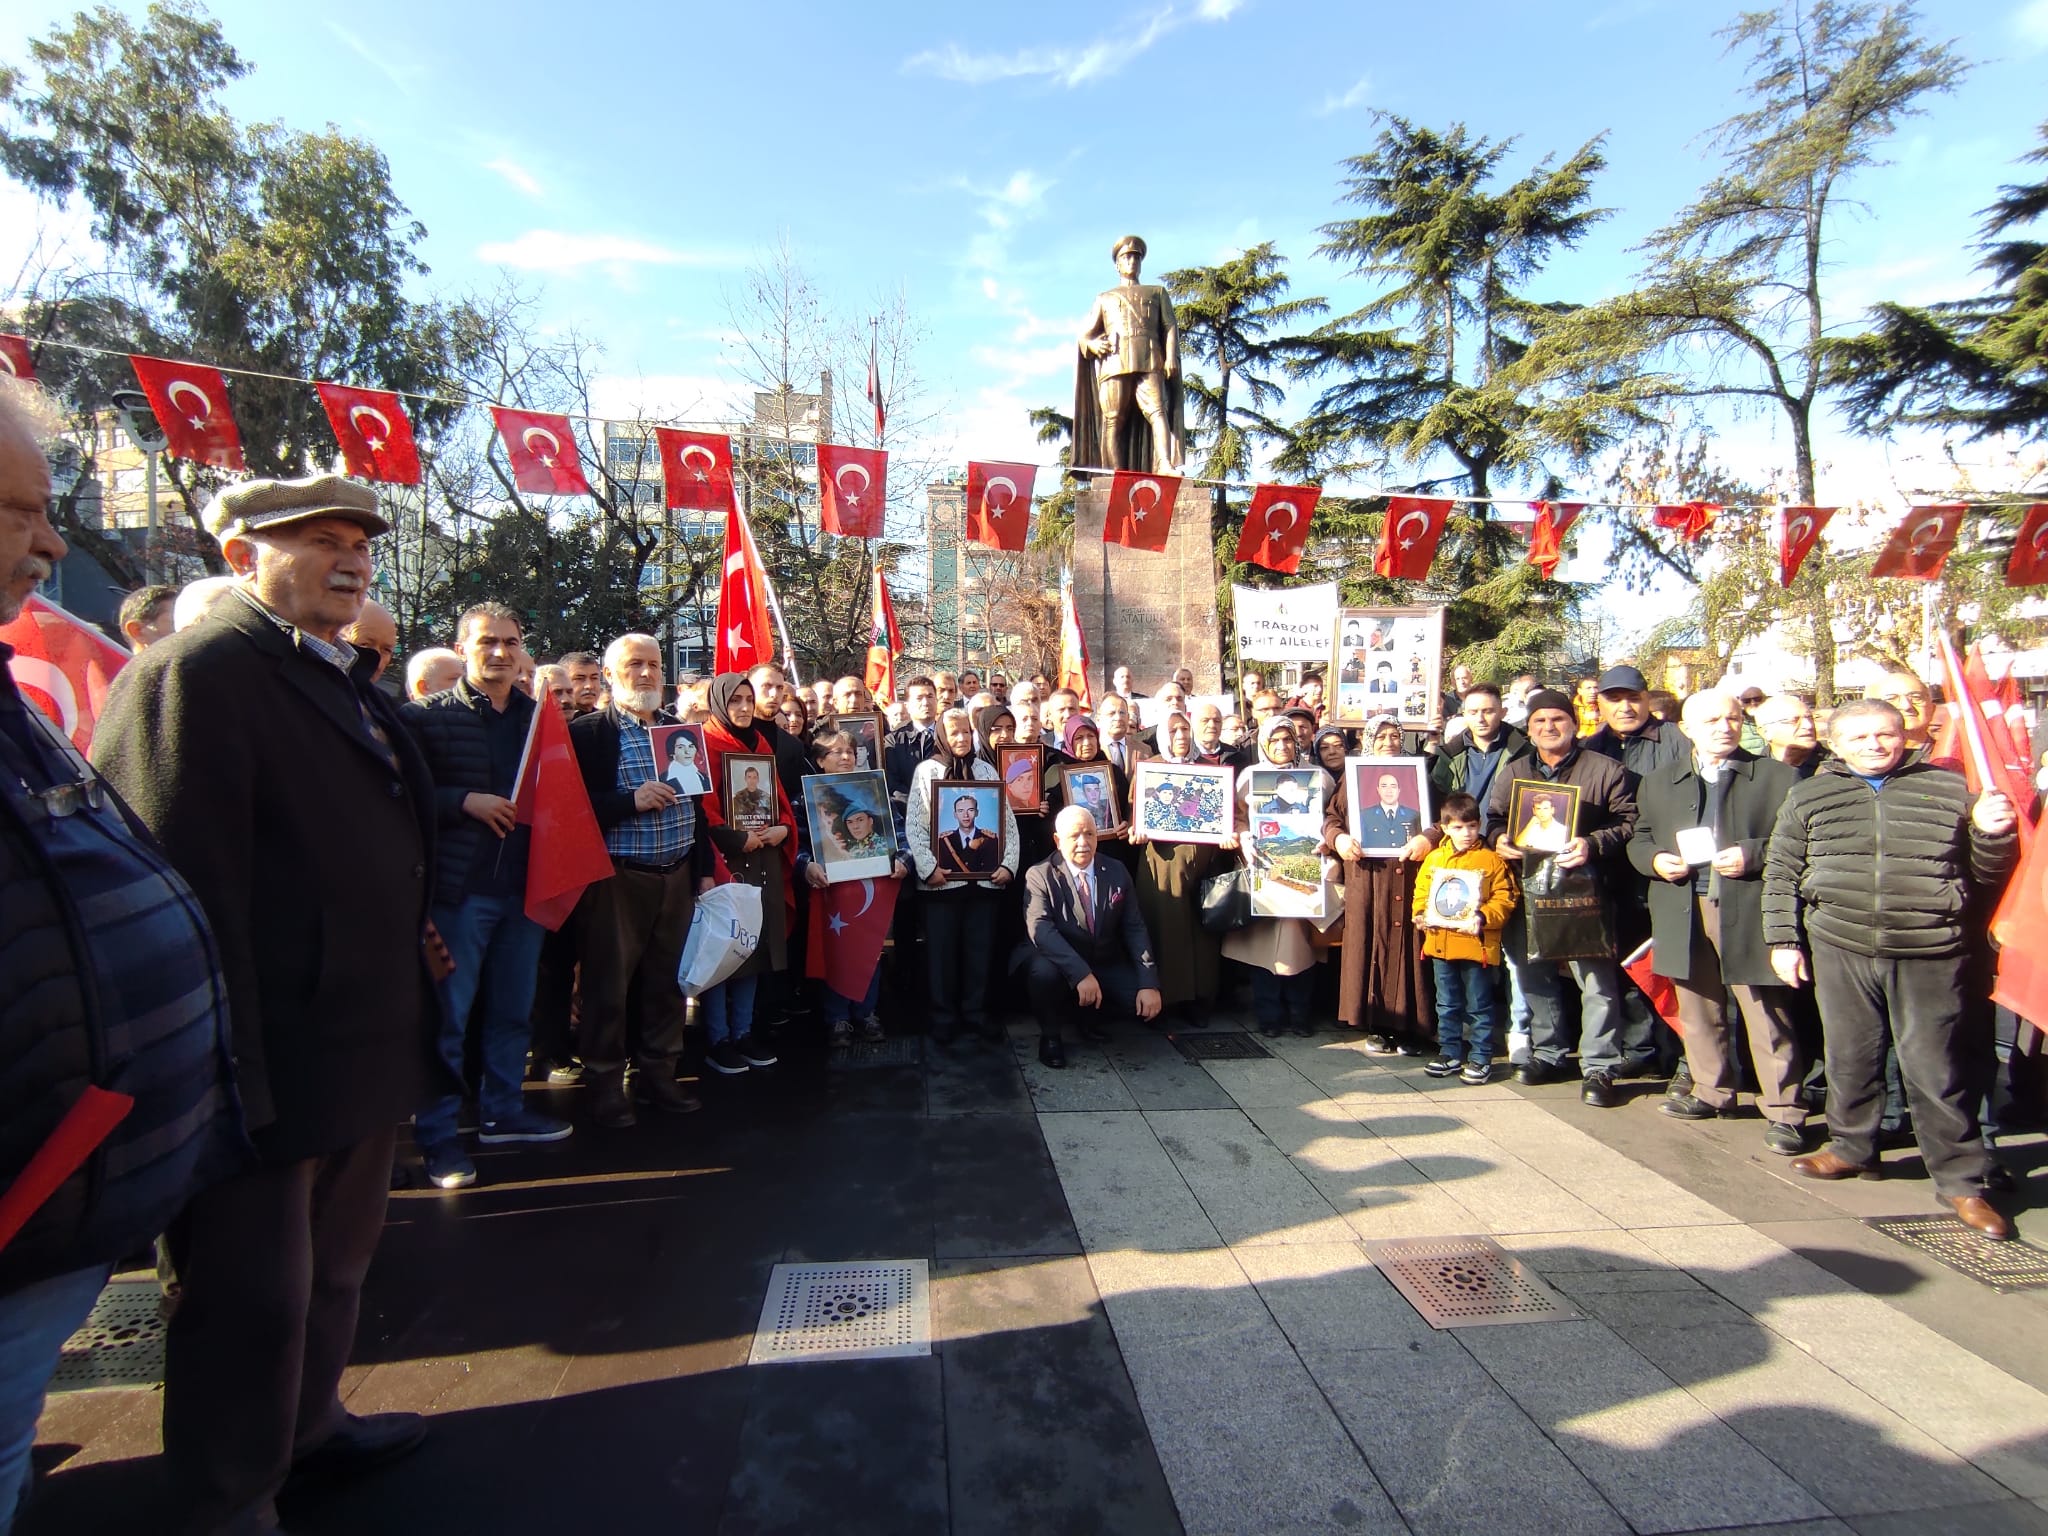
<point x="1799" y="529"/>
<point x="1276" y="526"/>
<point x="1919" y="547"/>
<point x="191" y="405"/>
<point x="696" y="469"/>
<point x="1140" y="510"/>
<point x="542" y="447"/>
<point x="853" y="488"/>
<point x="999" y="504"/>
<point x="568" y="852"/>
<point x="373" y="433"/>
<point x="849" y="923"/>
<point x="1408" y="539"/>
<point x="1690" y="519"/>
<point x="1073" y="644"/>
<point x="885" y="643"/>
<point x="15" y="358"/>
<point x="745" y="638"/>
<point x="63" y="666"/>
<point x="2029" y="564"/>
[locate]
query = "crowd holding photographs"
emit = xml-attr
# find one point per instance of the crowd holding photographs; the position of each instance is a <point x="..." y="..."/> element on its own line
<point x="1093" y="787"/>
<point x="1542" y="814"/>
<point x="853" y="836"/>
<point x="1023" y="775"/>
<point x="1386" y="662"/>
<point x="1185" y="802"/>
<point x="1386" y="796"/>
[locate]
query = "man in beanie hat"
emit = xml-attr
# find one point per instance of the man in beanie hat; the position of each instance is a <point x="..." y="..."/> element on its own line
<point x="284" y="789"/>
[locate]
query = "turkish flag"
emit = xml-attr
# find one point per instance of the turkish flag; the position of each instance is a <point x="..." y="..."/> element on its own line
<point x="853" y="489"/>
<point x="568" y="852"/>
<point x="849" y="922"/>
<point x="885" y="644"/>
<point x="1140" y="510"/>
<point x="374" y="434"/>
<point x="1691" y="519"/>
<point x="1408" y="538"/>
<point x="191" y="405"/>
<point x="1919" y="547"/>
<point x="2029" y="564"/>
<point x="696" y="469"/>
<point x="1276" y="526"/>
<point x="745" y="639"/>
<point x="999" y="504"/>
<point x="63" y="665"/>
<point x="1662" y="995"/>
<point x="1073" y="644"/>
<point x="1799" y="529"/>
<point x="542" y="447"/>
<point x="15" y="358"/>
<point x="1546" y="541"/>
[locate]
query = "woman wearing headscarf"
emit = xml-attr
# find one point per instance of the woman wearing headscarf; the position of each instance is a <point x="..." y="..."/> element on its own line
<point x="1280" y="950"/>
<point x="1169" y="878"/>
<point x="764" y="858"/>
<point x="959" y="914"/>
<point x="855" y="829"/>
<point x="1383" y="987"/>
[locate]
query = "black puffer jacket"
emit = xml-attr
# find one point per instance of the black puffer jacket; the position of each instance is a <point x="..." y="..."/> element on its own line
<point x="1888" y="873"/>
<point x="449" y="728"/>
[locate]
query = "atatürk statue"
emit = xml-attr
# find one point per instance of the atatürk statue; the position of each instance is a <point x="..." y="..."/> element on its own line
<point x="1127" y="389"/>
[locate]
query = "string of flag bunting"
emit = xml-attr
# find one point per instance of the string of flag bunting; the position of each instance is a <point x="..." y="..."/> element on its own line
<point x="375" y="437"/>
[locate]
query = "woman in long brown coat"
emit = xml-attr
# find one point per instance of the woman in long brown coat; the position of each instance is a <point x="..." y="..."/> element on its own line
<point x="1169" y="879"/>
<point x="1383" y="988"/>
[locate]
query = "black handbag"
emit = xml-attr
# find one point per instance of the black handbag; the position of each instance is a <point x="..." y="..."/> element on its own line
<point x="1564" y="911"/>
<point x="1227" y="900"/>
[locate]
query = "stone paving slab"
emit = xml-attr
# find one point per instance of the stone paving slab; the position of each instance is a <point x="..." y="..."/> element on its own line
<point x="1123" y="1189"/>
<point x="1248" y="1188"/>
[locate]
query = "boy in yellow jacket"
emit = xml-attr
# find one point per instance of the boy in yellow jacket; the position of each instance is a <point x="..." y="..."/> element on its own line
<point x="1461" y="922"/>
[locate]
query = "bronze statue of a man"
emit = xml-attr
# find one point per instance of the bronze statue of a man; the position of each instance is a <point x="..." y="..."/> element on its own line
<point x="1127" y="386"/>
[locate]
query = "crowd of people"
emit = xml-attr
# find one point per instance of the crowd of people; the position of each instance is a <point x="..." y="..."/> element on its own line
<point x="280" y="912"/>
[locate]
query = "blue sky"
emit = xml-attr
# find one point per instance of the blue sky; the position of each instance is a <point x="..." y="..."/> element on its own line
<point x="630" y="162"/>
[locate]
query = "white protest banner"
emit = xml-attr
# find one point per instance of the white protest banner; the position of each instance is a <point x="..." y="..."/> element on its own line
<point x="1286" y="623"/>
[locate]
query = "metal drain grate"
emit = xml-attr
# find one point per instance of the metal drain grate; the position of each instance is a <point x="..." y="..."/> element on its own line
<point x="120" y="1345"/>
<point x="2008" y="1266"/>
<point x="875" y="1311"/>
<point x="1220" y="1045"/>
<point x="903" y="1051"/>
<point x="1466" y="1282"/>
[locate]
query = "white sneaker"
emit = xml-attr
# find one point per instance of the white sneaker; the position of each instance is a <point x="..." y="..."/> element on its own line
<point x="1519" y="1052"/>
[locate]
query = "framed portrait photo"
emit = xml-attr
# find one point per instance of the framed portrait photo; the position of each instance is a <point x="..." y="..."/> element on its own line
<point x="1092" y="786"/>
<point x="1542" y="815"/>
<point x="679" y="758"/>
<point x="1386" y="662"/>
<point x="1453" y="900"/>
<point x="853" y="836"/>
<point x="967" y="828"/>
<point x="1387" y="802"/>
<point x="749" y="790"/>
<point x="1185" y="802"/>
<point x="1023" y="774"/>
<point x="1286" y="824"/>
<point x="866" y="731"/>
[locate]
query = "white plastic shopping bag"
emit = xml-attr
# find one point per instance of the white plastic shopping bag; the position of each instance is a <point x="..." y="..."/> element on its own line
<point x="722" y="935"/>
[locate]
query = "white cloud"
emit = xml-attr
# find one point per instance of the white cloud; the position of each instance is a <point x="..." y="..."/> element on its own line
<point x="403" y="76"/>
<point x="1344" y="102"/>
<point x="2030" y="21"/>
<point x="552" y="250"/>
<point x="1065" y="64"/>
<point x="515" y="173"/>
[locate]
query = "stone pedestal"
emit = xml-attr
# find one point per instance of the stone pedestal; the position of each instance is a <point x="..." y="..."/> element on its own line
<point x="1151" y="613"/>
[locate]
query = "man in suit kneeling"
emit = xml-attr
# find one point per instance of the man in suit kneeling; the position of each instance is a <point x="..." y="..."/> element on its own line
<point x="1085" y="940"/>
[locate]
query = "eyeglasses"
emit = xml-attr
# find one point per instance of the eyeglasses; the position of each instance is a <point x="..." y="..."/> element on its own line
<point x="61" y="800"/>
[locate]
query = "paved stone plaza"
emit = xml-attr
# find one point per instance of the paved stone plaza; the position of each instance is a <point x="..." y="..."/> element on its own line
<point x="1152" y="1311"/>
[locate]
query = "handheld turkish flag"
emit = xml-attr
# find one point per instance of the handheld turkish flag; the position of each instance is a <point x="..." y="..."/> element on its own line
<point x="885" y="643"/>
<point x="63" y="665"/>
<point x="1799" y="530"/>
<point x="15" y="358"/>
<point x="1276" y="526"/>
<point x="1409" y="536"/>
<point x="1662" y="995"/>
<point x="1690" y="519"/>
<point x="999" y="504"/>
<point x="1919" y="547"/>
<point x="849" y="923"/>
<point x="745" y="640"/>
<point x="371" y="428"/>
<point x="1073" y="644"/>
<point x="568" y="852"/>
<point x="191" y="405"/>
<point x="2029" y="564"/>
<point x="853" y="489"/>
<point x="542" y="447"/>
<point x="1140" y="511"/>
<point x="696" y="469"/>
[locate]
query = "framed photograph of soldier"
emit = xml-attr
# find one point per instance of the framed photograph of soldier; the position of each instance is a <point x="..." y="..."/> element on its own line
<point x="1286" y="825"/>
<point x="1023" y="774"/>
<point x="679" y="757"/>
<point x="1542" y="815"/>
<point x="749" y="790"/>
<point x="1386" y="662"/>
<point x="866" y="731"/>
<point x="1093" y="787"/>
<point x="1185" y="802"/>
<point x="967" y="828"/>
<point x="1388" y="802"/>
<point x="1453" y="900"/>
<point x="853" y="836"/>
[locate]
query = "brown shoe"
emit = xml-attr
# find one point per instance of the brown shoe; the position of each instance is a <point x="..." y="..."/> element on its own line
<point x="1975" y="1211"/>
<point x="609" y="1106"/>
<point x="1826" y="1165"/>
<point x="656" y="1081"/>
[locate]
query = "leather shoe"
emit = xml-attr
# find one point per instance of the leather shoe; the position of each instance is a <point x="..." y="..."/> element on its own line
<point x="1688" y="1107"/>
<point x="609" y="1106"/>
<point x="1599" y="1091"/>
<point x="1975" y="1211"/>
<point x="1534" y="1074"/>
<point x="658" y="1086"/>
<point x="1051" y="1052"/>
<point x="1824" y="1164"/>
<point x="359" y="1445"/>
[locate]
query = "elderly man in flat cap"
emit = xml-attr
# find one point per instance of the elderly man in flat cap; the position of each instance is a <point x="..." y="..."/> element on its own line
<point x="287" y="793"/>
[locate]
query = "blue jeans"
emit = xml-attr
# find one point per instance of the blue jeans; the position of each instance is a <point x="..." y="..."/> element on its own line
<point x="1551" y="1035"/>
<point x="838" y="1009"/>
<point x="34" y="1323"/>
<point x="728" y="1009"/>
<point x="490" y="937"/>
<point x="1464" y="1009"/>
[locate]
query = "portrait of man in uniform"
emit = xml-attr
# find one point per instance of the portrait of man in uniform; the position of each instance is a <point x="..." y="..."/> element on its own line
<point x="1127" y="385"/>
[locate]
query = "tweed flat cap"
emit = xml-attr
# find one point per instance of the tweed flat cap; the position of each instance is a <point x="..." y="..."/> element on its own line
<point x="258" y="504"/>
